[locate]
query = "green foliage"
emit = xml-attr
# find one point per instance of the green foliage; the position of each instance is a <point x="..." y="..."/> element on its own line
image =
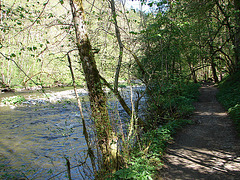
<point x="139" y="169"/>
<point x="146" y="157"/>
<point x="229" y="97"/>
<point x="13" y="100"/>
<point x="172" y="100"/>
<point x="235" y="114"/>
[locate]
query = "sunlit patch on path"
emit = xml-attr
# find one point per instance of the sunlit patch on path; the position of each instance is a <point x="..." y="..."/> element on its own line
<point x="209" y="149"/>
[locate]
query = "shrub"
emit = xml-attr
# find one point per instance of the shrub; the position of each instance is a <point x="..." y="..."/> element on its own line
<point x="235" y="115"/>
<point x="167" y="106"/>
<point x="171" y="101"/>
<point x="229" y="97"/>
<point x="146" y="157"/>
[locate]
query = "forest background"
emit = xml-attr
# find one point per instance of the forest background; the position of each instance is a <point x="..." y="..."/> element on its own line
<point x="167" y="47"/>
<point x="177" y="36"/>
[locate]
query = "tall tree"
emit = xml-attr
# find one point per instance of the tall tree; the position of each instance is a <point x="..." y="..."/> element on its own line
<point x="98" y="101"/>
<point x="237" y="34"/>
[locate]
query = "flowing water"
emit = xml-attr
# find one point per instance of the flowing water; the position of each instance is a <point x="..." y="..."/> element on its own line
<point x="36" y="137"/>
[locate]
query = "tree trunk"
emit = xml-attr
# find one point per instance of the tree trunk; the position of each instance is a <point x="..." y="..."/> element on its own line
<point x="211" y="51"/>
<point x="237" y="35"/>
<point x="234" y="34"/>
<point x="214" y="72"/>
<point x="98" y="102"/>
<point x="193" y="73"/>
<point x="213" y="65"/>
<point x="120" y="44"/>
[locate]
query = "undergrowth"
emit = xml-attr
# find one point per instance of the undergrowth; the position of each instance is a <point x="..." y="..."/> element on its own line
<point x="173" y="103"/>
<point x="13" y="100"/>
<point x="229" y="97"/>
<point x="146" y="159"/>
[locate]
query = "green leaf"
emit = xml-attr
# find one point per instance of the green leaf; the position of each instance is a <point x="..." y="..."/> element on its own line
<point x="29" y="48"/>
<point x="132" y="32"/>
<point x="61" y="1"/>
<point x="150" y="4"/>
<point x="13" y="55"/>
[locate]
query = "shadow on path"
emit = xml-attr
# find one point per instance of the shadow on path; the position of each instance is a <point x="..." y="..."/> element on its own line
<point x="209" y="149"/>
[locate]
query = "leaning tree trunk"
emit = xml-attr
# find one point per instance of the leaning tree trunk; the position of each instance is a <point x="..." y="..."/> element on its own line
<point x="105" y="135"/>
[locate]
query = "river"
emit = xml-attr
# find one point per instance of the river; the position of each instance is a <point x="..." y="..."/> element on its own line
<point x="36" y="137"/>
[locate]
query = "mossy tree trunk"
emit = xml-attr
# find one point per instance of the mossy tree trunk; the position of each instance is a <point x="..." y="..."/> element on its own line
<point x="106" y="138"/>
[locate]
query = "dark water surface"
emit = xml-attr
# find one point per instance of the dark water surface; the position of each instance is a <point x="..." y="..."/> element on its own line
<point x="35" y="137"/>
<point x="38" y="138"/>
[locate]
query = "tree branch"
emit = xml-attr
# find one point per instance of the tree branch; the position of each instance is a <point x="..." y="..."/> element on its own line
<point x="45" y="5"/>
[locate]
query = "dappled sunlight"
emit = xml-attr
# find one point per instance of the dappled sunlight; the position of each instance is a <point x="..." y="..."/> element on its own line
<point x="220" y="114"/>
<point x="209" y="148"/>
<point x="204" y="161"/>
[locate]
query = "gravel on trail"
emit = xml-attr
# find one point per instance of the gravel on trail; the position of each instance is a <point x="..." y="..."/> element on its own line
<point x="208" y="149"/>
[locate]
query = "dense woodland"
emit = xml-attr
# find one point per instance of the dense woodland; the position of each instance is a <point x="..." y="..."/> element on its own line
<point x="168" y="49"/>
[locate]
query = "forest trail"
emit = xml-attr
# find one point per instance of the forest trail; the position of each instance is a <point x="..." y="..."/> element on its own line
<point x="209" y="149"/>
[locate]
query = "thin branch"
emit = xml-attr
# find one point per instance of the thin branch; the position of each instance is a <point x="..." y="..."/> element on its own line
<point x="42" y="89"/>
<point x="85" y="133"/>
<point x="197" y="68"/>
<point x="45" y="5"/>
<point x="92" y="5"/>
<point x="19" y="68"/>
<point x="66" y="170"/>
<point x="120" y="44"/>
<point x="121" y="101"/>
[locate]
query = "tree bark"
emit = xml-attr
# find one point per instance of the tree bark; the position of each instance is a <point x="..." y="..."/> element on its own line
<point x="213" y="65"/>
<point x="120" y="44"/>
<point x="237" y="35"/>
<point x="98" y="102"/>
<point x="211" y="50"/>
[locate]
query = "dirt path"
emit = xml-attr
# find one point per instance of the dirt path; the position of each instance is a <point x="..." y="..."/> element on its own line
<point x="209" y="149"/>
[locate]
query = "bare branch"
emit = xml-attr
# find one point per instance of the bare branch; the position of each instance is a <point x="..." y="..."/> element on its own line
<point x="19" y="68"/>
<point x="45" y="5"/>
